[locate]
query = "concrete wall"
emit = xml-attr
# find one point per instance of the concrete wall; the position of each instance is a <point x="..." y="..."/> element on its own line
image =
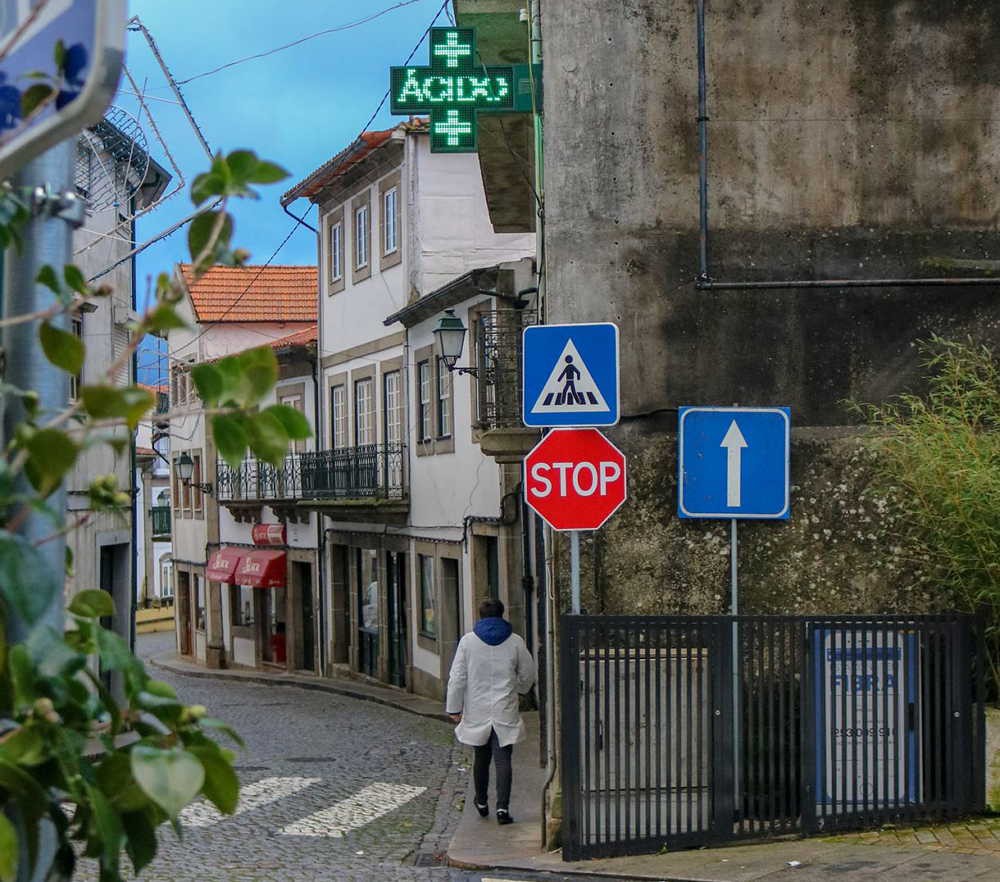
<point x="847" y="139"/>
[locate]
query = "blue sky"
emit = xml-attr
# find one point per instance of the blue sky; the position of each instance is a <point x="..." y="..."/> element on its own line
<point x="297" y="107"/>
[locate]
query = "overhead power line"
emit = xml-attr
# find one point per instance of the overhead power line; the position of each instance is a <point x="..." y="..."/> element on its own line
<point x="300" y="40"/>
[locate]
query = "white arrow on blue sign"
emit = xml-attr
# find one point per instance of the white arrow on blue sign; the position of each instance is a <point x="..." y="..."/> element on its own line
<point x="571" y="375"/>
<point x="733" y="462"/>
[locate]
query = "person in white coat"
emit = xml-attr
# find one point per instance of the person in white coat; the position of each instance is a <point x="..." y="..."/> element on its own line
<point x="492" y="667"/>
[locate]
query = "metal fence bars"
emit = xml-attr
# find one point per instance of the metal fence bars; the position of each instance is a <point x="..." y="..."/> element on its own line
<point x="361" y="472"/>
<point x="682" y="731"/>
<point x="255" y="480"/>
<point x="499" y="353"/>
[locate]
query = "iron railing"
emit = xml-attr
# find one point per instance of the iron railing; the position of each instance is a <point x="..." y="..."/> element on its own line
<point x="683" y="731"/>
<point x="498" y="357"/>
<point x="254" y="480"/>
<point x="160" y="516"/>
<point x="368" y="471"/>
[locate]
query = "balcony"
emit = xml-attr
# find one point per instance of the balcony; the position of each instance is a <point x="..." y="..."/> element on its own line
<point x="160" y="517"/>
<point x="366" y="482"/>
<point x="502" y="433"/>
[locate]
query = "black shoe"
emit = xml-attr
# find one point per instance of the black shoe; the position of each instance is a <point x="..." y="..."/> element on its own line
<point x="483" y="809"/>
<point x="503" y="817"/>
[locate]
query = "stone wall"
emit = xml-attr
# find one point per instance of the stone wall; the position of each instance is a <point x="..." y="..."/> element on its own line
<point x="848" y="139"/>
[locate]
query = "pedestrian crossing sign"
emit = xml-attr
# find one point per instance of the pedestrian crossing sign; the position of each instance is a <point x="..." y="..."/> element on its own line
<point x="571" y="375"/>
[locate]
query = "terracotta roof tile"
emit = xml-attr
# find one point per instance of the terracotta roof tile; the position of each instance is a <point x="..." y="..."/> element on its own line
<point x="349" y="157"/>
<point x="299" y="338"/>
<point x="254" y="293"/>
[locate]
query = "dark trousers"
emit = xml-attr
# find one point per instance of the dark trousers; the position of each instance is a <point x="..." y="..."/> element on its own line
<point x="501" y="756"/>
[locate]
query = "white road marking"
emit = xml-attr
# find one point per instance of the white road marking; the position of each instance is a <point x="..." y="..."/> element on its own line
<point x="364" y="807"/>
<point x="260" y="793"/>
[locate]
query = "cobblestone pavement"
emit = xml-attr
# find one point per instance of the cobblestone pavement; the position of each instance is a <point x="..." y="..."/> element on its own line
<point x="975" y="836"/>
<point x="334" y="789"/>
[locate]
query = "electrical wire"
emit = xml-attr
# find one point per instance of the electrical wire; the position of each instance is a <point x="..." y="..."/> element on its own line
<point x="298" y="42"/>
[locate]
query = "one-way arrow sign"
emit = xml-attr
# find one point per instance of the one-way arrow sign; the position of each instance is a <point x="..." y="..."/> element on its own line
<point x="733" y="462"/>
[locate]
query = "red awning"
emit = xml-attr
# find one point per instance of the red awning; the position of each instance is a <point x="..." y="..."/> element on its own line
<point x="222" y="565"/>
<point x="262" y="569"/>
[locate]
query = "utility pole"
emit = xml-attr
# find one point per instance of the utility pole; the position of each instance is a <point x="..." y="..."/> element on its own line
<point x="55" y="209"/>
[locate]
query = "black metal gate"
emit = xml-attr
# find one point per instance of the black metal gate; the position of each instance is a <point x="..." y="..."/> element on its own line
<point x="681" y="731"/>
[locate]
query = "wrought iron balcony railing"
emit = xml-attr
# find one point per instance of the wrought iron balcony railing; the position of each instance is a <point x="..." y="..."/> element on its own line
<point x="498" y="356"/>
<point x="254" y="480"/>
<point x="368" y="471"/>
<point x="160" y="516"/>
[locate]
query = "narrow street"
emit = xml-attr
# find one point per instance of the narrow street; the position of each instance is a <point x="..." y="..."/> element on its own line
<point x="333" y="789"/>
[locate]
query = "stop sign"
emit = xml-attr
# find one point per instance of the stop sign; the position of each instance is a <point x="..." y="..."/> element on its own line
<point x="575" y="479"/>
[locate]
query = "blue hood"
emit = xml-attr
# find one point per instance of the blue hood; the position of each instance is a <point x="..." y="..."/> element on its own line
<point x="493" y="631"/>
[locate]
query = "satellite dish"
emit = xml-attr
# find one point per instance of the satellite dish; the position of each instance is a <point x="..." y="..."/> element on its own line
<point x="112" y="161"/>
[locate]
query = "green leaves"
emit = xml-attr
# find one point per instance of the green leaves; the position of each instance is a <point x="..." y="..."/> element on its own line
<point x="27" y="586"/>
<point x="34" y="96"/>
<point x="171" y="778"/>
<point x="51" y="453"/>
<point x="231" y="438"/>
<point x="110" y="402"/>
<point x="232" y="175"/>
<point x="8" y="850"/>
<point x="209" y="236"/>
<point x="293" y="421"/>
<point x="221" y="785"/>
<point x="92" y="603"/>
<point x="61" y="348"/>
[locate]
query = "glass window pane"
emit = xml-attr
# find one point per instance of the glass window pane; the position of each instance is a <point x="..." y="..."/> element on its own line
<point x="444" y="399"/>
<point x="424" y="375"/>
<point x="428" y="606"/>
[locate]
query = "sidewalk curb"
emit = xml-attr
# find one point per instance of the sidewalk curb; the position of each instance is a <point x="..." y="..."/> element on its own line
<point x="330" y="687"/>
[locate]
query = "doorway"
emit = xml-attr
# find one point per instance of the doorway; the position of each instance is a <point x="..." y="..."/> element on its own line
<point x="340" y="651"/>
<point x="368" y="610"/>
<point x="395" y="568"/>
<point x="185" y="636"/>
<point x="272" y="633"/>
<point x="302" y="579"/>
<point x="451" y="613"/>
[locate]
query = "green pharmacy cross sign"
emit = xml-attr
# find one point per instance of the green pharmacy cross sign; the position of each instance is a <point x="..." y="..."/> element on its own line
<point x="453" y="89"/>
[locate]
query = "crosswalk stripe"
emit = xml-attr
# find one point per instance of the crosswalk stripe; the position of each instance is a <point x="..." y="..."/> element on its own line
<point x="362" y="808"/>
<point x="260" y="793"/>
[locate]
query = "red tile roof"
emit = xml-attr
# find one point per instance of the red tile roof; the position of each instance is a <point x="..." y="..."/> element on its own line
<point x="350" y="156"/>
<point x="299" y="338"/>
<point x="254" y="293"/>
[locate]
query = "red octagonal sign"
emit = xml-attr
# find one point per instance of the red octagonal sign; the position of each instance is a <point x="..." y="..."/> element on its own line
<point x="575" y="479"/>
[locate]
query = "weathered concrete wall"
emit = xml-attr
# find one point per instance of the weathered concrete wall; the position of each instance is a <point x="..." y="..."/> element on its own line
<point x="848" y="138"/>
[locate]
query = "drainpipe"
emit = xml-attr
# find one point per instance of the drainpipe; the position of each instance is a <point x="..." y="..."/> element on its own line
<point x="320" y="535"/>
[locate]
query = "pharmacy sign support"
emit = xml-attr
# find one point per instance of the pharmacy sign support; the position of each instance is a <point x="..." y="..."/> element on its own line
<point x="453" y="89"/>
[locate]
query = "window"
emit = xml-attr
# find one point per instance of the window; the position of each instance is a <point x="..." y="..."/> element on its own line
<point x="294" y="400"/>
<point x="361" y="237"/>
<point x="424" y="417"/>
<point x="197" y="497"/>
<point x="389" y="202"/>
<point x="336" y="251"/>
<point x="364" y="413"/>
<point x="199" y="603"/>
<point x="338" y="409"/>
<point x="393" y="411"/>
<point x="444" y="399"/>
<point x="241" y="605"/>
<point x="76" y="380"/>
<point x="428" y="605"/>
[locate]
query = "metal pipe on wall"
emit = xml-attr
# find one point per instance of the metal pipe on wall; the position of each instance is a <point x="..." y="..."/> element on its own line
<point x="704" y="281"/>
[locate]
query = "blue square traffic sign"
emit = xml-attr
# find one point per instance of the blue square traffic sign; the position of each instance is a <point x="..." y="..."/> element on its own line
<point x="733" y="462"/>
<point x="571" y="375"/>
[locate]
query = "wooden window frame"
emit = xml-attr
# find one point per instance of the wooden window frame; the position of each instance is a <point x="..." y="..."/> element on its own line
<point x="362" y="202"/>
<point x="388" y="184"/>
<point x="335" y="283"/>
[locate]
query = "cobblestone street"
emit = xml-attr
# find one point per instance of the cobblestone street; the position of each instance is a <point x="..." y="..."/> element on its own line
<point x="333" y="789"/>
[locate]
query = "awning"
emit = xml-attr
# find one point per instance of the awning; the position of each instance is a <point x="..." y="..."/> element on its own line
<point x="222" y="565"/>
<point x="262" y="569"/>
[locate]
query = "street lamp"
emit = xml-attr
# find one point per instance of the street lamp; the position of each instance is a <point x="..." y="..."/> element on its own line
<point x="185" y="471"/>
<point x="450" y="335"/>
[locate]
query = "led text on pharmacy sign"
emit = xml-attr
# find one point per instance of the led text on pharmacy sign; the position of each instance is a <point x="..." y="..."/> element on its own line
<point x="453" y="89"/>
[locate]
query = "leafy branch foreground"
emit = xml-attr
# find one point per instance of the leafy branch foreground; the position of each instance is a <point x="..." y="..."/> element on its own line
<point x="939" y="457"/>
<point x="95" y="755"/>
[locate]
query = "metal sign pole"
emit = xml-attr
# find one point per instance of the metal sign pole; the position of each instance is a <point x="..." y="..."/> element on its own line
<point x="574" y="571"/>
<point x="734" y="604"/>
<point x="47" y="240"/>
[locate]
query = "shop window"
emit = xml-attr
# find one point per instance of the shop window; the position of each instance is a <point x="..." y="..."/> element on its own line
<point x="241" y="605"/>
<point x="428" y="600"/>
